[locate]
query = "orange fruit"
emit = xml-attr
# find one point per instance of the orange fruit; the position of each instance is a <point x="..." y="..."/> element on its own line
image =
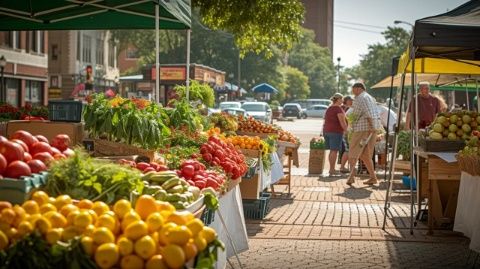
<point x="128" y="218"/>
<point x="154" y="222"/>
<point x="66" y="209"/>
<point x="122" y="207"/>
<point x="209" y="234"/>
<point x="106" y="221"/>
<point x="57" y="220"/>
<point x="145" y="247"/>
<point x="145" y="206"/>
<point x="131" y="262"/>
<point x="8" y="215"/>
<point x="100" y="207"/>
<point x="4" y="241"/>
<point x="24" y="228"/>
<point x="88" y="245"/>
<point x="31" y="207"/>
<point x="136" y="229"/>
<point x="106" y="255"/>
<point x="174" y="256"/>
<point x="47" y="207"/>
<point x="190" y="250"/>
<point x="42" y="225"/>
<point x="195" y="226"/>
<point x="179" y="235"/>
<point x="85" y="204"/>
<point x="180" y="217"/>
<point x="200" y="243"/>
<point x="54" y="235"/>
<point x="62" y="200"/>
<point x="156" y="262"/>
<point x="40" y="197"/>
<point x="103" y="235"/>
<point x="71" y="217"/>
<point x="125" y="246"/>
<point x="82" y="220"/>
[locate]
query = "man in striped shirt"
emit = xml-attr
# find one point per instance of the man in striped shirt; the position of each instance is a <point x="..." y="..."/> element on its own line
<point x="366" y="121"/>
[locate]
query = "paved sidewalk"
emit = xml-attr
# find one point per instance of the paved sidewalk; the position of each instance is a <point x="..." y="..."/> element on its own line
<point x="326" y="224"/>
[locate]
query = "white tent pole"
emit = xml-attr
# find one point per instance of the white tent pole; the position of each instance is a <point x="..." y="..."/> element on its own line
<point x="188" y="65"/>
<point x="157" y="54"/>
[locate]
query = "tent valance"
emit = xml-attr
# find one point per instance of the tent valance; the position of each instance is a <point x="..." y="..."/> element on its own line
<point x="93" y="14"/>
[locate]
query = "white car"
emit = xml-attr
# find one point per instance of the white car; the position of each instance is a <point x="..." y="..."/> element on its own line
<point x="316" y="111"/>
<point x="225" y="105"/>
<point x="258" y="110"/>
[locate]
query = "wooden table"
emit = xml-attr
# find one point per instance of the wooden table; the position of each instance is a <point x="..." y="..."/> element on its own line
<point x="439" y="182"/>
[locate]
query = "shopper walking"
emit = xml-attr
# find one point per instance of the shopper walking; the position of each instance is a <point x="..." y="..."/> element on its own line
<point x="334" y="127"/>
<point x="365" y="124"/>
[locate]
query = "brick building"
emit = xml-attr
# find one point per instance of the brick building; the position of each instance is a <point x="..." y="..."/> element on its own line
<point x="319" y="18"/>
<point x="26" y="72"/>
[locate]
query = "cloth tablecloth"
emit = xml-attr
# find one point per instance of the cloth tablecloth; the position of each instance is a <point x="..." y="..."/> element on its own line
<point x="467" y="217"/>
<point x="231" y="208"/>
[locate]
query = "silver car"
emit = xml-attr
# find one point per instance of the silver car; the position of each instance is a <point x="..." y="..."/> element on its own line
<point x="316" y="111"/>
<point x="258" y="110"/>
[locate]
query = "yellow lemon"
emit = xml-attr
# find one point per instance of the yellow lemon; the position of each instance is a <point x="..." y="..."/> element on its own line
<point x="71" y="217"/>
<point x="12" y="233"/>
<point x="24" y="228"/>
<point x="85" y="204"/>
<point x="164" y="206"/>
<point x="40" y="197"/>
<point x="209" y="234"/>
<point x="88" y="245"/>
<point x="125" y="246"/>
<point x="107" y="255"/>
<point x="47" y="207"/>
<point x="162" y="235"/>
<point x="88" y="231"/>
<point x="129" y="218"/>
<point x="83" y="219"/>
<point x="54" y="235"/>
<point x="100" y="207"/>
<point x="145" y="205"/>
<point x="145" y="247"/>
<point x="42" y="225"/>
<point x="195" y="226"/>
<point x="131" y="262"/>
<point x="156" y="262"/>
<point x="174" y="256"/>
<point x="62" y="200"/>
<point x="136" y="229"/>
<point x="102" y="235"/>
<point x="19" y="212"/>
<point x="200" y="242"/>
<point x="31" y="207"/>
<point x="154" y="222"/>
<point x="32" y="218"/>
<point x="92" y="213"/>
<point x="190" y="250"/>
<point x="57" y="220"/>
<point x="69" y="233"/>
<point x="155" y="236"/>
<point x="67" y="209"/>
<point x="180" y="217"/>
<point x="8" y="215"/>
<point x="122" y="207"/>
<point x="106" y="221"/>
<point x="51" y="200"/>
<point x="3" y="240"/>
<point x="179" y="235"/>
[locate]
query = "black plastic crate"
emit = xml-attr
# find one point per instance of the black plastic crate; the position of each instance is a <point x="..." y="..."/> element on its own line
<point x="65" y="110"/>
<point x="257" y="209"/>
<point x="208" y="216"/>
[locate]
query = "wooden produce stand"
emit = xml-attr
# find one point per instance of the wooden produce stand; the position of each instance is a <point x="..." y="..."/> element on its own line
<point x="439" y="183"/>
<point x="291" y="152"/>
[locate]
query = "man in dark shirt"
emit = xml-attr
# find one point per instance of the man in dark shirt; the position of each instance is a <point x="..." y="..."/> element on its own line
<point x="428" y="107"/>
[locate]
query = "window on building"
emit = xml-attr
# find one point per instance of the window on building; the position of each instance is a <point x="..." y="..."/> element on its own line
<point x="33" y="41"/>
<point x="132" y="53"/>
<point x="111" y="55"/>
<point x="54" y="52"/>
<point x="13" y="91"/>
<point x="41" y="41"/>
<point x="79" y="45"/>
<point x="87" y="49"/>
<point x="34" y="92"/>
<point x="12" y="39"/>
<point x="100" y="51"/>
<point x="17" y="37"/>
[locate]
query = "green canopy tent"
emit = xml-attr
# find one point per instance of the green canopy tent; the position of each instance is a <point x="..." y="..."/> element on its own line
<point x="98" y="15"/>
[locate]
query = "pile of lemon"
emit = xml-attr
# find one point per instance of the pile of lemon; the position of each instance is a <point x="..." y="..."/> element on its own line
<point x="150" y="235"/>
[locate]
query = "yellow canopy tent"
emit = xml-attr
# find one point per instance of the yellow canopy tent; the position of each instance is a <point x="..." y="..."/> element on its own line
<point x="433" y="79"/>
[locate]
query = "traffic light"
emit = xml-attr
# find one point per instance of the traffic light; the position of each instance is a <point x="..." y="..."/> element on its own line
<point x="89" y="78"/>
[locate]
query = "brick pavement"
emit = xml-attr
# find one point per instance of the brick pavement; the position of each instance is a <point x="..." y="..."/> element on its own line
<point x="326" y="224"/>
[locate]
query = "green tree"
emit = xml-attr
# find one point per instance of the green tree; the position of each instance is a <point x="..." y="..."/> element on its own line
<point x="316" y="63"/>
<point x="296" y="83"/>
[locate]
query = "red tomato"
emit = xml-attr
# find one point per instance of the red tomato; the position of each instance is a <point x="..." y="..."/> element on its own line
<point x="188" y="171"/>
<point x="200" y="184"/>
<point x="154" y="165"/>
<point x="3" y="164"/>
<point x="162" y="167"/>
<point x="68" y="152"/>
<point x="36" y="166"/>
<point x="25" y="136"/>
<point x="41" y="138"/>
<point x="149" y="169"/>
<point x="61" y="142"/>
<point x="45" y="157"/>
<point x="40" y="147"/>
<point x="21" y="143"/>
<point x="27" y="157"/>
<point x="142" y="166"/>
<point x="16" y="169"/>
<point x="191" y="183"/>
<point x="55" y="151"/>
<point x="11" y="151"/>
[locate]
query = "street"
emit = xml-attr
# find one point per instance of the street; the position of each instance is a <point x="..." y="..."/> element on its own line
<point x="326" y="224"/>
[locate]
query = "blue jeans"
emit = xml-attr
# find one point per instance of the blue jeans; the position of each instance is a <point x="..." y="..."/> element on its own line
<point x="333" y="141"/>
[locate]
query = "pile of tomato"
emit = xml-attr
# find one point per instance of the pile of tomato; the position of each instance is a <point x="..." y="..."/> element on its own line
<point x="224" y="154"/>
<point x="196" y="175"/>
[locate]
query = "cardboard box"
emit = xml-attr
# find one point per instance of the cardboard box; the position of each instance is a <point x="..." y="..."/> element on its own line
<point x="49" y="129"/>
<point x="250" y="188"/>
<point x="316" y="161"/>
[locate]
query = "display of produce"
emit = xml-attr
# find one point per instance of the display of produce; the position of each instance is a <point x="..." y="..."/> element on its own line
<point x="24" y="154"/>
<point x="265" y="146"/>
<point x="317" y="143"/>
<point x="454" y="125"/>
<point x="219" y="153"/>
<point x="250" y="125"/>
<point x="224" y="122"/>
<point x="151" y="234"/>
<point x="145" y="167"/>
<point x="196" y="175"/>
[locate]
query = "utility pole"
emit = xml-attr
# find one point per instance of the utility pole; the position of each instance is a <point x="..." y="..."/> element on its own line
<point x="338" y="73"/>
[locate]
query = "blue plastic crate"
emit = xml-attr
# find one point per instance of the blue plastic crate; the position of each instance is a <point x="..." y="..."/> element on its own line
<point x="65" y="110"/>
<point x="406" y="182"/>
<point x="17" y="191"/>
<point x="257" y="209"/>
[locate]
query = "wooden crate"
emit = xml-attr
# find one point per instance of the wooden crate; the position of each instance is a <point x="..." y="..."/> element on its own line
<point x="443" y="145"/>
<point x="316" y="161"/>
<point x="108" y="148"/>
<point x="250" y="188"/>
<point x="252" y="153"/>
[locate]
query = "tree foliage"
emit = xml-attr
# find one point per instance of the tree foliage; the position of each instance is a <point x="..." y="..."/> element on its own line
<point x="295" y="83"/>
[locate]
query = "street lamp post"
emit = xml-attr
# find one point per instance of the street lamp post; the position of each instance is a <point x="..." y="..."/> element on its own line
<point x="404" y="22"/>
<point x="3" y="63"/>
<point x="338" y="73"/>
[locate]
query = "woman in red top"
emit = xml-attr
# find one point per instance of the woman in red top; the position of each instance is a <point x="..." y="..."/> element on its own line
<point x="334" y="127"/>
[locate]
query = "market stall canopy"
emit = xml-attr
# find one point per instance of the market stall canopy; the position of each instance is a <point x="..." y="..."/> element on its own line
<point x="93" y="14"/>
<point x="265" y="88"/>
<point x="231" y="86"/>
<point x="435" y="80"/>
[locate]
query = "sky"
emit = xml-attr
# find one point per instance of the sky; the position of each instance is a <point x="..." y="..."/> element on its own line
<point x="370" y="17"/>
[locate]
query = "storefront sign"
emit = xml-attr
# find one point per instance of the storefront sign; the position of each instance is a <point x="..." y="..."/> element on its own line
<point x="170" y="73"/>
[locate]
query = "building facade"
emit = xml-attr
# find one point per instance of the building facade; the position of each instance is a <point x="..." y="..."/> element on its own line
<point x="319" y="18"/>
<point x="26" y="71"/>
<point x="71" y="54"/>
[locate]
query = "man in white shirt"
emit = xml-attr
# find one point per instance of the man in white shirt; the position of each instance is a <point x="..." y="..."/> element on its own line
<point x="384" y="115"/>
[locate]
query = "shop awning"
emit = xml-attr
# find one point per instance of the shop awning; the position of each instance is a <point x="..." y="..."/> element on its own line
<point x="93" y="14"/>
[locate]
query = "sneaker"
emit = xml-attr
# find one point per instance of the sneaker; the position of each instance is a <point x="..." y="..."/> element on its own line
<point x="350" y="181"/>
<point x="333" y="173"/>
<point x="371" y="181"/>
<point x="344" y="171"/>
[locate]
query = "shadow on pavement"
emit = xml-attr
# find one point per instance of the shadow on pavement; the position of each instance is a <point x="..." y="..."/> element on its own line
<point x="354" y="193"/>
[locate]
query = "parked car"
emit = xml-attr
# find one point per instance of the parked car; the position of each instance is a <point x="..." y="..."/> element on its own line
<point x="316" y="111"/>
<point x="293" y="110"/>
<point x="224" y="105"/>
<point x="259" y="111"/>
<point x="235" y="111"/>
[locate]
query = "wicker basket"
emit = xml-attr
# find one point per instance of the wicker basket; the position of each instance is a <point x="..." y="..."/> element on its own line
<point x="469" y="164"/>
<point x="108" y="148"/>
